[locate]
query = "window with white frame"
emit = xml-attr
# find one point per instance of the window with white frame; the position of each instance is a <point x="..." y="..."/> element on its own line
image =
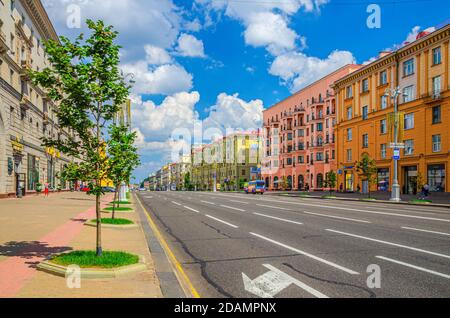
<point x="365" y="85"/>
<point x="349" y="92"/>
<point x="384" y="102"/>
<point x="408" y="67"/>
<point x="409" y="147"/>
<point x="383" y="77"/>
<point x="437" y="59"/>
<point x="383" y="126"/>
<point x="349" y="113"/>
<point x="436" y="85"/>
<point x="349" y="134"/>
<point x="349" y="155"/>
<point x="409" y="121"/>
<point x="408" y="94"/>
<point x="383" y="151"/>
<point x="365" y="112"/>
<point x="365" y="141"/>
<point x="436" y="143"/>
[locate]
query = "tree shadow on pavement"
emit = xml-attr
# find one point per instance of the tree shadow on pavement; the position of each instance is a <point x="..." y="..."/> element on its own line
<point x="30" y="250"/>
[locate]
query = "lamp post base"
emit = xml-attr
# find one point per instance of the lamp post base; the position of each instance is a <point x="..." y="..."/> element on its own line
<point x="395" y="196"/>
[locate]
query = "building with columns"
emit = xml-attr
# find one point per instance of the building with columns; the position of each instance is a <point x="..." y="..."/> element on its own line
<point x="26" y="113"/>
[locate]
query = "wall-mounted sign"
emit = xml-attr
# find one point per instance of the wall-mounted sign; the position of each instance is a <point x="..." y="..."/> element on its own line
<point x="17" y="146"/>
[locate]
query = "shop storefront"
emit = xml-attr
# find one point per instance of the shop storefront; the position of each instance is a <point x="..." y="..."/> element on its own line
<point x="383" y="179"/>
<point x="436" y="177"/>
<point x="410" y="180"/>
<point x="349" y="181"/>
<point x="32" y="172"/>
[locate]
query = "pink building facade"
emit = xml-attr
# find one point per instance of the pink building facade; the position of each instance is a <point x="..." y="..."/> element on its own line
<point x="299" y="136"/>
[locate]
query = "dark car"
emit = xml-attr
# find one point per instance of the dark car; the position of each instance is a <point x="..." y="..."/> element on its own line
<point x="108" y="189"/>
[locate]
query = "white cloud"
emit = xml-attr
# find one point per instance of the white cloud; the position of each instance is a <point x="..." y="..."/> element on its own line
<point x="297" y="70"/>
<point x="190" y="46"/>
<point x="232" y="112"/>
<point x="164" y="79"/>
<point x="156" y="55"/>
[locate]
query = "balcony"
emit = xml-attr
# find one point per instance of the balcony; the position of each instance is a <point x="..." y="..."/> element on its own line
<point x="25" y="102"/>
<point x="3" y="45"/>
<point x="25" y="71"/>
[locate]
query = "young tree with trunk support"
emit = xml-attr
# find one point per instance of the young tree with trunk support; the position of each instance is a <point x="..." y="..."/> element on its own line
<point x="85" y="82"/>
<point x="367" y="167"/>
<point x="123" y="158"/>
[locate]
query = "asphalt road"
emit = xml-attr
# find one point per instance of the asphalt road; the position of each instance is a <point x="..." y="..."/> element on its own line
<point x="237" y="245"/>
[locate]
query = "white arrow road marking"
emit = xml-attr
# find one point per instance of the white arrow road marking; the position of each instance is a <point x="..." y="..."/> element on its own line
<point x="273" y="282"/>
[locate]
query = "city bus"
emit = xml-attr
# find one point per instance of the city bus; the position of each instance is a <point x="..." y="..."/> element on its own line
<point x="255" y="187"/>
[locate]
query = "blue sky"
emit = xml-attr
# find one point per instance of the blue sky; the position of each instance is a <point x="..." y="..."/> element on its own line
<point x="224" y="61"/>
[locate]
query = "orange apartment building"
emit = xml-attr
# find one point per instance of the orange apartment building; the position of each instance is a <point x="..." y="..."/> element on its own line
<point x="299" y="137"/>
<point x="421" y="70"/>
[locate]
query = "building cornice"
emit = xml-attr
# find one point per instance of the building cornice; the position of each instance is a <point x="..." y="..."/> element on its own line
<point x="41" y="21"/>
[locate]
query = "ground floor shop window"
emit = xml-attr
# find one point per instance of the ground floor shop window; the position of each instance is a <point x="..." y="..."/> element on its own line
<point x="32" y="172"/>
<point x="410" y="180"/>
<point x="383" y="179"/>
<point x="349" y="181"/>
<point x="436" y="178"/>
<point x="51" y="173"/>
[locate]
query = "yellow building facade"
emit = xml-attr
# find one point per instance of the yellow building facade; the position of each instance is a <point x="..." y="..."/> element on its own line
<point x="421" y="72"/>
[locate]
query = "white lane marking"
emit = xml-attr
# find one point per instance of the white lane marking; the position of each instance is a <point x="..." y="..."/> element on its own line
<point x="350" y="209"/>
<point x="236" y="201"/>
<point x="272" y="207"/>
<point x="337" y="217"/>
<point x="349" y="271"/>
<point x="390" y="243"/>
<point x="221" y="221"/>
<point x="230" y="207"/>
<point x="414" y="266"/>
<point x="186" y="207"/>
<point x="208" y="202"/>
<point x="179" y="204"/>
<point x="426" y="231"/>
<point x="279" y="219"/>
<point x="272" y="283"/>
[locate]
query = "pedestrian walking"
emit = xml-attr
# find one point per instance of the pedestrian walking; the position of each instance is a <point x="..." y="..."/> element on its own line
<point x="341" y="188"/>
<point x="47" y="190"/>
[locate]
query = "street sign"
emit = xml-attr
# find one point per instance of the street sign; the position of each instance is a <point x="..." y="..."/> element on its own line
<point x="396" y="154"/>
<point x="394" y="145"/>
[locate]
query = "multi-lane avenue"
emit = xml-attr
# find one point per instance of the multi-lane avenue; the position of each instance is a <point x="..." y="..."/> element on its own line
<point x="237" y="245"/>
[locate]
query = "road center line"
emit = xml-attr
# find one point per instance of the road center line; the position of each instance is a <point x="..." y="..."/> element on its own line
<point x="390" y="243"/>
<point x="230" y="207"/>
<point x="208" y="202"/>
<point x="349" y="271"/>
<point x="426" y="231"/>
<point x="272" y="207"/>
<point x="279" y="219"/>
<point x="337" y="217"/>
<point x="413" y="266"/>
<point x="221" y="221"/>
<point x="186" y="207"/>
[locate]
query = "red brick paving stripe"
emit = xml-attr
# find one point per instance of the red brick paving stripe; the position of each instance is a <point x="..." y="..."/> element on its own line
<point x="16" y="271"/>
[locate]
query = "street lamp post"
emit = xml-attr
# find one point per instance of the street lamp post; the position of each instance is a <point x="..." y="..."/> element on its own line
<point x="394" y="93"/>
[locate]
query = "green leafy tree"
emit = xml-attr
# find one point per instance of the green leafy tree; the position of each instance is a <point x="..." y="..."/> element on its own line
<point x="85" y="82"/>
<point x="187" y="181"/>
<point x="123" y="158"/>
<point x="367" y="168"/>
<point x="331" y="181"/>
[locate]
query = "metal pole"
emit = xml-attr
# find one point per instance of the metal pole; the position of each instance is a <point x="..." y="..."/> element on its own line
<point x="395" y="194"/>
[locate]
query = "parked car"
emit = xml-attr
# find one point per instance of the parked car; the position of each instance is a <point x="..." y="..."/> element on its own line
<point x="255" y="187"/>
<point x="108" y="189"/>
<point x="84" y="189"/>
<point x="142" y="189"/>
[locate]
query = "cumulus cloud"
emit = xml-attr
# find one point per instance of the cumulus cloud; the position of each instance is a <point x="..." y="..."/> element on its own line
<point x="156" y="55"/>
<point x="297" y="70"/>
<point x="164" y="79"/>
<point x="190" y="46"/>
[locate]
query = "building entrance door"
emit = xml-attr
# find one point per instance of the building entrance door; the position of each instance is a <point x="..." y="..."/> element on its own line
<point x="349" y="186"/>
<point x="410" y="180"/>
<point x="20" y="185"/>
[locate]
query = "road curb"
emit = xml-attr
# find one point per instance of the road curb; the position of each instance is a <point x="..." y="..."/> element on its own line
<point x="174" y="283"/>
<point x="93" y="223"/>
<point x="94" y="273"/>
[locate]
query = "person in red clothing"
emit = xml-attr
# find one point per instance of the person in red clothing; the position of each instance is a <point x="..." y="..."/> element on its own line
<point x="47" y="190"/>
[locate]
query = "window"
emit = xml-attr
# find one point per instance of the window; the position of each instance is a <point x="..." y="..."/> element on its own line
<point x="349" y="155"/>
<point x="436" y="143"/>
<point x="301" y="159"/>
<point x="436" y="85"/>
<point x="408" y="94"/>
<point x="409" y="121"/>
<point x="349" y="113"/>
<point x="301" y="133"/>
<point x="408" y="67"/>
<point x="349" y="134"/>
<point x="383" y="126"/>
<point x="349" y="92"/>
<point x="409" y="147"/>
<point x="437" y="56"/>
<point x="383" y="151"/>
<point x="319" y="127"/>
<point x="365" y="85"/>
<point x="384" y="102"/>
<point x="365" y="142"/>
<point x="436" y="115"/>
<point x="436" y="178"/>
<point x="319" y="156"/>
<point x="33" y="172"/>
<point x="289" y="161"/>
<point x="365" y="112"/>
<point x="289" y="136"/>
<point x="383" y="78"/>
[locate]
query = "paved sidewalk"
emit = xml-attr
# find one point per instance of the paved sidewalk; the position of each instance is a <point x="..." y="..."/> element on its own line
<point x="35" y="228"/>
